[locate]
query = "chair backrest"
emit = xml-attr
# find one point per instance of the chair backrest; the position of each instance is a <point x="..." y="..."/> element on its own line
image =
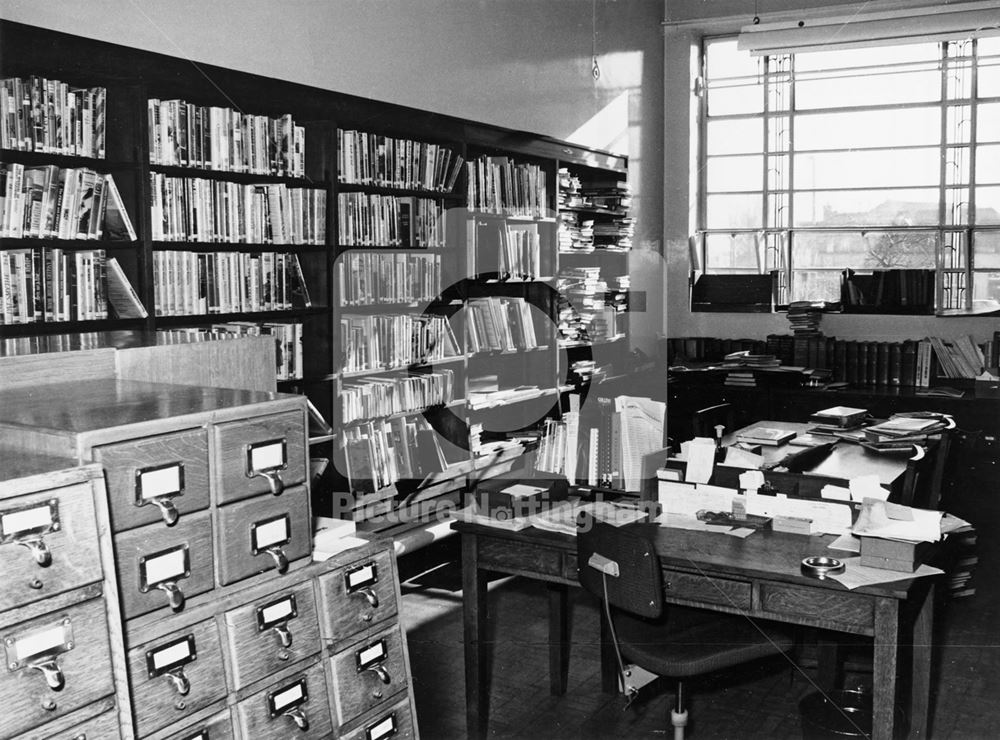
<point x="638" y="587"/>
<point x="705" y="420"/>
<point x="924" y="477"/>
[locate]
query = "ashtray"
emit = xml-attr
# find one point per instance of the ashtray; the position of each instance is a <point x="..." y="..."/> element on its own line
<point x="821" y="566"/>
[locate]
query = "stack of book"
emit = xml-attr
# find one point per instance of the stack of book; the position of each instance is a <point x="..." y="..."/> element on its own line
<point x="905" y="430"/>
<point x="763" y="435"/>
<point x="804" y="318"/>
<point x="842" y="422"/>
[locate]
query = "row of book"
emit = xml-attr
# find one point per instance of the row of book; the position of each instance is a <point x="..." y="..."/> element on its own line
<point x="713" y="349"/>
<point x="369" y="398"/>
<point x="42" y="115"/>
<point x="383" y="342"/>
<point x="498" y="324"/>
<point x="211" y="137"/>
<point x="372" y="278"/>
<point x="367" y="220"/>
<point x="500" y="185"/>
<point x="195" y="283"/>
<point x="52" y="285"/>
<point x="370" y="159"/>
<point x="504" y="251"/>
<point x="196" y="209"/>
<point x="895" y="288"/>
<point x="615" y="198"/>
<point x="287" y="340"/>
<point x="51" y="202"/>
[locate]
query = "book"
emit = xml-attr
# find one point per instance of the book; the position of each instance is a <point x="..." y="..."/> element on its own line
<point x="765" y="435"/>
<point x="839" y="416"/>
<point x="122" y="298"/>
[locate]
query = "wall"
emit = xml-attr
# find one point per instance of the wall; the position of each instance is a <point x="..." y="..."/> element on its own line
<point x="522" y="64"/>
<point x="688" y="21"/>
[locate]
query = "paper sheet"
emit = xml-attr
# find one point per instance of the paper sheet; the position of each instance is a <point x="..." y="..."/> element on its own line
<point x="741" y="532"/>
<point x="679" y="521"/>
<point x="856" y="575"/>
<point x="835" y="493"/>
<point x="847" y="542"/>
<point x="641" y="433"/>
<point x="700" y="460"/>
<point x="827" y="517"/>
<point x="737" y="458"/>
<point x="882" y="519"/>
<point x="688" y="500"/>
<point x="867" y="486"/>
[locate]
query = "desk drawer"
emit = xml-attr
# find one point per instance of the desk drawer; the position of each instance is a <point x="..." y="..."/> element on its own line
<point x="356" y="596"/>
<point x="175" y="676"/>
<point x="217" y="727"/>
<point x="60" y="523"/>
<point x="707" y="589"/>
<point x="834" y="607"/>
<point x="263" y="534"/>
<point x="367" y="674"/>
<point x="160" y="567"/>
<point x="382" y="724"/>
<point x="296" y="707"/>
<point x="272" y="633"/>
<point x="259" y="455"/>
<point x="73" y="647"/>
<point x="523" y="558"/>
<point x="102" y="727"/>
<point x="157" y="479"/>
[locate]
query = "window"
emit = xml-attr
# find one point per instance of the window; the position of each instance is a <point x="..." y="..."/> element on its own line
<point x="868" y="159"/>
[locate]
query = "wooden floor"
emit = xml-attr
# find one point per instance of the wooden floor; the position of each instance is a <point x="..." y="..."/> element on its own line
<point x="759" y="700"/>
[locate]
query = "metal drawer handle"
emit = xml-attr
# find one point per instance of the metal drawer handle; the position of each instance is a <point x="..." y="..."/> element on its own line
<point x="274" y="481"/>
<point x="280" y="559"/>
<point x="381" y="672"/>
<point x="370" y="596"/>
<point x="299" y="718"/>
<point x="39" y="550"/>
<point x="180" y="682"/>
<point x="284" y="635"/>
<point x="167" y="510"/>
<point x="174" y="595"/>
<point x="53" y="673"/>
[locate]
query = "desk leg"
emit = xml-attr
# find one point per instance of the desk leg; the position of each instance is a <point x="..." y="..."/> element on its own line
<point x="921" y="688"/>
<point x="829" y="656"/>
<point x="477" y="694"/>
<point x="558" y="638"/>
<point x="885" y="664"/>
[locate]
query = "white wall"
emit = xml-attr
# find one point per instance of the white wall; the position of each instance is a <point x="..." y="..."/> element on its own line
<point x="523" y="64"/>
<point x="692" y="20"/>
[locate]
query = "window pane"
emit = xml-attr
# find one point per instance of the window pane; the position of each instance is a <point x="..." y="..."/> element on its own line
<point x="723" y="59"/>
<point x="989" y="78"/>
<point x="986" y="287"/>
<point x="988" y="124"/>
<point x="733" y="211"/>
<point x="735" y="253"/>
<point x="868" y="129"/>
<point x="866" y="207"/>
<point x="740" y="136"/>
<point x="724" y="101"/>
<point x="988" y="164"/>
<point x="988" y="205"/>
<point x="874" y="88"/>
<point x="873" y="168"/>
<point x="989" y="46"/>
<point x="870" y="57"/>
<point x="815" y="286"/>
<point x="987" y="249"/>
<point x="873" y="250"/>
<point x="734" y="173"/>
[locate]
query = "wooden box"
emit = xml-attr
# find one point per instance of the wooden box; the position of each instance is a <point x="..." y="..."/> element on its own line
<point x="261" y="455"/>
<point x="367" y="674"/>
<point x="355" y="596"/>
<point x="293" y="707"/>
<point x="906" y="557"/>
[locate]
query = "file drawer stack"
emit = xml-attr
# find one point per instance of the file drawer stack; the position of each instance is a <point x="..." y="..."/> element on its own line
<point x="207" y="494"/>
<point x="57" y="623"/>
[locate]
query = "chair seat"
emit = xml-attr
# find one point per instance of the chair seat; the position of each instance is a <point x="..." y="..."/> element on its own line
<point x="691" y="642"/>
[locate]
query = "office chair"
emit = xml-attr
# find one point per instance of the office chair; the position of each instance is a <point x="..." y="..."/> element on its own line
<point x="619" y="566"/>
<point x="924" y="475"/>
<point x="705" y="420"/>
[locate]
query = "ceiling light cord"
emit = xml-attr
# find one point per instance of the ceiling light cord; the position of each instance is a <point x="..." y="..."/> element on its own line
<point x="595" y="70"/>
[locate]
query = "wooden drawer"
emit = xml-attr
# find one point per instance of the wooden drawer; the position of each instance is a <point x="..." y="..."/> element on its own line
<point x="72" y="644"/>
<point x="680" y="585"/>
<point x="836" y="607"/>
<point x="159" y="567"/>
<point x="156" y="479"/>
<point x="296" y="707"/>
<point x="272" y="633"/>
<point x="260" y="455"/>
<point x="523" y="558"/>
<point x="102" y="727"/>
<point x="60" y="527"/>
<point x="263" y="534"/>
<point x="217" y="727"/>
<point x="367" y="674"/>
<point x="355" y="596"/>
<point x="395" y="722"/>
<point x="175" y="676"/>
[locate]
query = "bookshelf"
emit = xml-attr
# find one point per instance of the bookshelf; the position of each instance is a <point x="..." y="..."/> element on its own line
<point x="378" y="232"/>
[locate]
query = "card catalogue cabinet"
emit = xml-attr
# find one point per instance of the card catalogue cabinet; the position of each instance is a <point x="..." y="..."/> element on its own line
<point x="58" y="620"/>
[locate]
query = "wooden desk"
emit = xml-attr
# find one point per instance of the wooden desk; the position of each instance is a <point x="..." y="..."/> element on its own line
<point x="758" y="576"/>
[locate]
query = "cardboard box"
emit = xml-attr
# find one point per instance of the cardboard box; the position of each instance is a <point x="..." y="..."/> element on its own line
<point x="898" y="555"/>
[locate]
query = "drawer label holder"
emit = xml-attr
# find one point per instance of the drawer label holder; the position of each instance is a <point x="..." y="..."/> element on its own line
<point x="269" y="536"/>
<point x="275" y="616"/>
<point x="359" y="581"/>
<point x="163" y="570"/>
<point x="385" y="727"/>
<point x="371" y="658"/>
<point x="267" y="460"/>
<point x="288" y="702"/>
<point x="169" y="660"/>
<point x="27" y="526"/>
<point x="39" y="650"/>
<point x="159" y="485"/>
